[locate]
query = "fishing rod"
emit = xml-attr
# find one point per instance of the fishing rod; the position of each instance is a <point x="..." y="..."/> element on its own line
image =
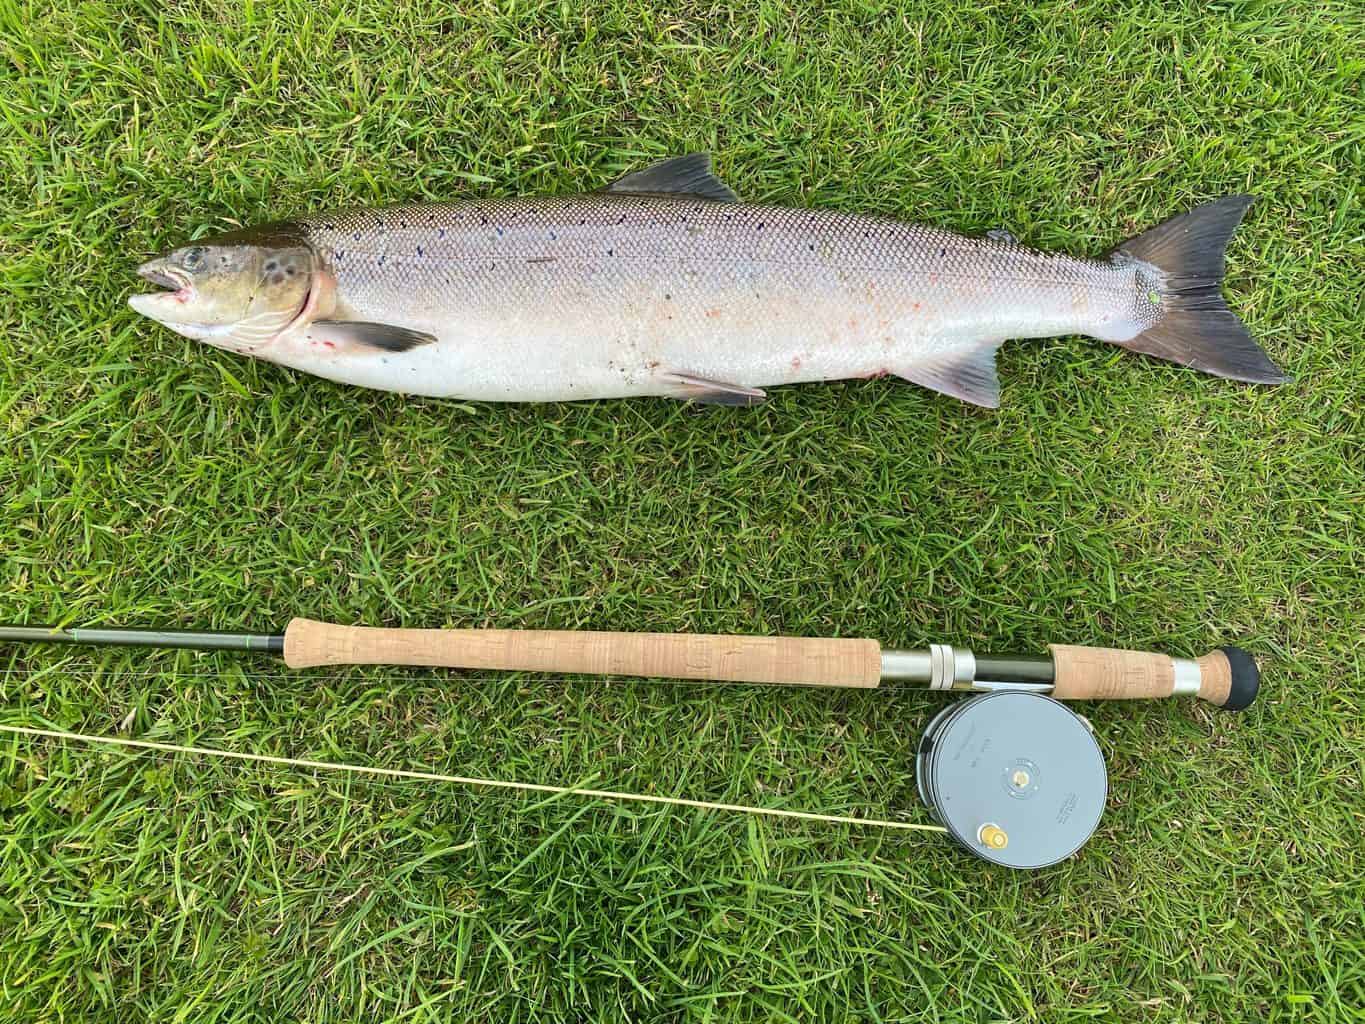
<point x="1012" y="775"/>
<point x="1226" y="677"/>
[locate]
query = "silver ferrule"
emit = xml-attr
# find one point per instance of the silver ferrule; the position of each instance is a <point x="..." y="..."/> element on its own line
<point x="942" y="667"/>
<point x="906" y="667"/>
<point x="1187" y="677"/>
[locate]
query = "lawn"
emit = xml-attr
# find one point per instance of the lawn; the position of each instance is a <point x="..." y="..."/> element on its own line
<point x="1112" y="500"/>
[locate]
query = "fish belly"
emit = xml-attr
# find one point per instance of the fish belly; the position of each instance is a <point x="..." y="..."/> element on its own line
<point x="613" y="296"/>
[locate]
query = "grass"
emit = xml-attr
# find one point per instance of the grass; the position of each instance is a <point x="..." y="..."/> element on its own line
<point x="1112" y="500"/>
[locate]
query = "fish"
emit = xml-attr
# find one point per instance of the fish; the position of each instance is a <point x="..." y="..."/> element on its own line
<point x="664" y="284"/>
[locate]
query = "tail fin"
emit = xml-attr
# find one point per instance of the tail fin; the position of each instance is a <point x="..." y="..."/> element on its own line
<point x="1192" y="325"/>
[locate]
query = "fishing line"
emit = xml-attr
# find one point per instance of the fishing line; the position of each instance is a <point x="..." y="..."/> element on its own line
<point x="450" y="696"/>
<point x="439" y="694"/>
<point x="306" y="764"/>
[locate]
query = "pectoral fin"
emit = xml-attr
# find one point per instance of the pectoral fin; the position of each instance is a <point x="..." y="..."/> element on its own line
<point x="690" y="388"/>
<point x="360" y="336"/>
<point x="967" y="375"/>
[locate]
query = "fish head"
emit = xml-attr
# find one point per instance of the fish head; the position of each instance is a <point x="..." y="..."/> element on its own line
<point x="238" y="291"/>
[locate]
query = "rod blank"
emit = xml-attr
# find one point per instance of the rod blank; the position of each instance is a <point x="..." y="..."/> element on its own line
<point x="189" y="640"/>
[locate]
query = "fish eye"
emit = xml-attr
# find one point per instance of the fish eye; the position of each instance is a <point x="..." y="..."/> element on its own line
<point x="193" y="259"/>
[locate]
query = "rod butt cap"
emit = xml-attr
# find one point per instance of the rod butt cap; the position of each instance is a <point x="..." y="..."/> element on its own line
<point x="1246" y="679"/>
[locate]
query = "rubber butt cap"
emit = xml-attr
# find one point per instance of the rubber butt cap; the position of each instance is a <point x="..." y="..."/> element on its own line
<point x="1246" y="679"/>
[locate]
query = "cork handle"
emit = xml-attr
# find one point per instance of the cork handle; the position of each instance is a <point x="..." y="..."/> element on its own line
<point x="1227" y="677"/>
<point x="745" y="659"/>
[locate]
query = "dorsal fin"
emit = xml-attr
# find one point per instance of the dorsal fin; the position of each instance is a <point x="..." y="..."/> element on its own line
<point x="677" y="176"/>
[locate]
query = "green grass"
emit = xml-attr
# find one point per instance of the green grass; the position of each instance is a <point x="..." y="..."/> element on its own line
<point x="1112" y="500"/>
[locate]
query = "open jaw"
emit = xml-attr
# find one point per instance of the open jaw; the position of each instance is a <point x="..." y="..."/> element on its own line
<point x="179" y="290"/>
<point x="175" y="307"/>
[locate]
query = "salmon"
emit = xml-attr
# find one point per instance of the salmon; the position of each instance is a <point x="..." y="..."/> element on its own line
<point x="664" y="284"/>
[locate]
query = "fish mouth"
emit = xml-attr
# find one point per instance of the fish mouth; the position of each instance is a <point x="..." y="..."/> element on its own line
<point x="172" y="306"/>
<point x="159" y="273"/>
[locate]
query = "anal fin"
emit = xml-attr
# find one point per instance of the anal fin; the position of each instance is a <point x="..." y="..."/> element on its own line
<point x="691" y="388"/>
<point x="360" y="335"/>
<point x="967" y="374"/>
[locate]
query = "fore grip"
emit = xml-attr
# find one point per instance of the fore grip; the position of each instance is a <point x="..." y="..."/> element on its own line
<point x="1227" y="677"/>
<point x="743" y="659"/>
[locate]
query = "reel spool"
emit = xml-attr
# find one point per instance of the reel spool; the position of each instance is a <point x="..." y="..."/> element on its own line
<point x="1017" y="778"/>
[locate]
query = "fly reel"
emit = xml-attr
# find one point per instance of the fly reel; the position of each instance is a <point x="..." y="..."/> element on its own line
<point x="1017" y="778"/>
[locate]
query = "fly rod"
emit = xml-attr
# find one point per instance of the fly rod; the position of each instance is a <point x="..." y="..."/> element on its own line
<point x="1226" y="677"/>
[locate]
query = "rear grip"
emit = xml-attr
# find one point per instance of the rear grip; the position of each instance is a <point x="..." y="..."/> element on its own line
<point x="1227" y="677"/>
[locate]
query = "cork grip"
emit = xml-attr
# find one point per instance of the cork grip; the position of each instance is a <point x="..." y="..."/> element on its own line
<point x="1227" y="677"/>
<point x="1103" y="673"/>
<point x="746" y="659"/>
